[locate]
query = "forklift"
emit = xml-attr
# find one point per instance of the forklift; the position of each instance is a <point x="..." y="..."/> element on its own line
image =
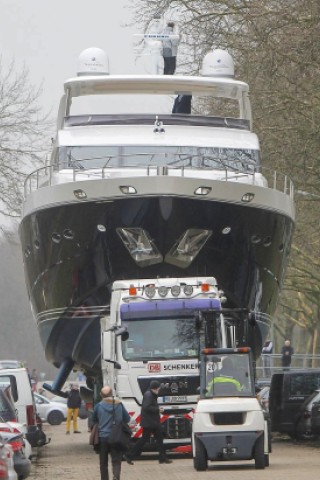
<point x="229" y="422"/>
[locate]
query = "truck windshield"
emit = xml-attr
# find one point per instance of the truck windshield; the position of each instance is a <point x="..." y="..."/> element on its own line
<point x="162" y="339"/>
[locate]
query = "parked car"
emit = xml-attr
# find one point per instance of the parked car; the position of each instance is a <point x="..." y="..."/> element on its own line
<point x="21" y="428"/>
<point x="263" y="382"/>
<point x="288" y="392"/>
<point x="7" y="471"/>
<point x="263" y="396"/>
<point x="49" y="410"/>
<point x="8" y="416"/>
<point x="83" y="412"/>
<point x="10" y="364"/>
<point x="20" y="386"/>
<point x="306" y="424"/>
<point x="21" y="463"/>
<point x="4" y="461"/>
<point x="315" y="414"/>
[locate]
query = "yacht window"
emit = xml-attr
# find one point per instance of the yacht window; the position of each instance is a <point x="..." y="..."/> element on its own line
<point x="87" y="157"/>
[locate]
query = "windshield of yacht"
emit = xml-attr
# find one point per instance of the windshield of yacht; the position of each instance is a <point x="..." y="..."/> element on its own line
<point x="87" y="157"/>
<point x="163" y="338"/>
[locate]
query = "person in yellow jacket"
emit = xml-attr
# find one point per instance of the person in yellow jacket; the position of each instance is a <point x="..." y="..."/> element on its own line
<point x="224" y="377"/>
<point x="73" y="403"/>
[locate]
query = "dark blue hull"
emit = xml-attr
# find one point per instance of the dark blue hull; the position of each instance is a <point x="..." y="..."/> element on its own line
<point x="73" y="254"/>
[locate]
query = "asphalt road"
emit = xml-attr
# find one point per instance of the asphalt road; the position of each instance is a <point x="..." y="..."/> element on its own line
<point x="69" y="457"/>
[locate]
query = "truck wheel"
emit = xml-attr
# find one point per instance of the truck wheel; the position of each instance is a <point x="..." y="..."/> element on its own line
<point x="259" y="453"/>
<point x="266" y="459"/>
<point x="200" y="461"/>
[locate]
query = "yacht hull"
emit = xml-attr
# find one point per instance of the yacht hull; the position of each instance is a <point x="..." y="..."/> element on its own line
<point x="73" y="253"/>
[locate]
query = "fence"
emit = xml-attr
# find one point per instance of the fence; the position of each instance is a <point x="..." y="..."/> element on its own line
<point x="269" y="364"/>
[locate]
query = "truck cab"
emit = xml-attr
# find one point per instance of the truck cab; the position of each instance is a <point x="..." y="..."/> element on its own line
<point x="155" y="331"/>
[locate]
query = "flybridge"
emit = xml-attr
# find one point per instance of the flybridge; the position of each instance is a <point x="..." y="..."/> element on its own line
<point x="216" y="80"/>
<point x="219" y="87"/>
<point x="155" y="84"/>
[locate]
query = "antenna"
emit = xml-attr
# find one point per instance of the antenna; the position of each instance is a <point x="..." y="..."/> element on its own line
<point x="153" y="43"/>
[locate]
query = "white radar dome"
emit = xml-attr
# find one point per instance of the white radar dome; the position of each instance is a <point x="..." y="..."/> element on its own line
<point x="93" y="61"/>
<point x="218" y="63"/>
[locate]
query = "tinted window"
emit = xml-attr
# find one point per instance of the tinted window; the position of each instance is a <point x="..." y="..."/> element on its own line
<point x="7" y="410"/>
<point x="304" y="384"/>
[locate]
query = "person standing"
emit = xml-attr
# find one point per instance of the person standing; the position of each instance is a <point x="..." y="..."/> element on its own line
<point x="150" y="422"/>
<point x="103" y="414"/>
<point x="286" y="352"/>
<point x="169" y="50"/>
<point x="266" y="351"/>
<point x="73" y="404"/>
<point x="182" y="104"/>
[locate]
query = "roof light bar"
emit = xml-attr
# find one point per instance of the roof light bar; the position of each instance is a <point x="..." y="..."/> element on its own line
<point x="163" y="291"/>
<point x="150" y="291"/>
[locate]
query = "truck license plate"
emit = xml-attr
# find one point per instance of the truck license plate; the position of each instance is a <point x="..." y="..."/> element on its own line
<point x="176" y="399"/>
<point x="229" y="450"/>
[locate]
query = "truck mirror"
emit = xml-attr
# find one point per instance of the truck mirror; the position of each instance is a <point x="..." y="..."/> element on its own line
<point x="14" y="388"/>
<point x="123" y="332"/>
<point x="125" y="336"/>
<point x="107" y="347"/>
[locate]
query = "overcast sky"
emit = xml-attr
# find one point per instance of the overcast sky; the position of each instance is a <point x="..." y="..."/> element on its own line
<point x="48" y="36"/>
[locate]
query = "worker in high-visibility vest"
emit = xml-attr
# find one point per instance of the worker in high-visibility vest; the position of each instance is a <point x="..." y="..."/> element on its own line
<point x="226" y="375"/>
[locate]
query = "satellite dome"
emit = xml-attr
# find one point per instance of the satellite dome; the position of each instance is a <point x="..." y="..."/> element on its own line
<point x="218" y="63"/>
<point x="93" y="61"/>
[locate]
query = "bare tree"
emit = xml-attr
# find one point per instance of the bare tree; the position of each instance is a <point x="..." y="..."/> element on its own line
<point x="22" y="128"/>
<point x="275" y="46"/>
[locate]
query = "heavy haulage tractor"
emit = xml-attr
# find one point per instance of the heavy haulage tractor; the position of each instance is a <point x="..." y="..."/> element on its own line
<point x="229" y="423"/>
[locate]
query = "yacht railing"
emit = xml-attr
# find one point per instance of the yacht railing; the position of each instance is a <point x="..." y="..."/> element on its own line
<point x="47" y="175"/>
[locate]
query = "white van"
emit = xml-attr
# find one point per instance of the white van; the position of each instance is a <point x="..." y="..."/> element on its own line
<point x="19" y="380"/>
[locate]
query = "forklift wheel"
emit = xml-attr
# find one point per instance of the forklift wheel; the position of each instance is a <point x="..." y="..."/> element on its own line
<point x="200" y="461"/>
<point x="259" y="457"/>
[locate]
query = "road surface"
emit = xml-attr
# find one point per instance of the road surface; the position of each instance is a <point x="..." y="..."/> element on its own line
<point x="69" y="457"/>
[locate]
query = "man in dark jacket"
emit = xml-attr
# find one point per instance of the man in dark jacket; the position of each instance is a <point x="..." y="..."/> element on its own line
<point x="286" y="354"/>
<point x="150" y="421"/>
<point x="73" y="404"/>
<point x="103" y="415"/>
